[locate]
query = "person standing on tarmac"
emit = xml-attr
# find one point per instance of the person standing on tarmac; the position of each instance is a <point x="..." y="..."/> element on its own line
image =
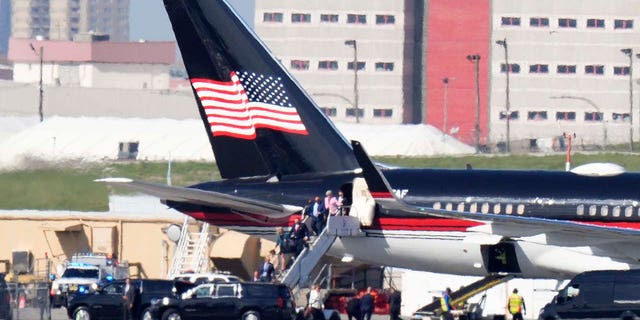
<point x="515" y="305"/>
<point x="445" y="305"/>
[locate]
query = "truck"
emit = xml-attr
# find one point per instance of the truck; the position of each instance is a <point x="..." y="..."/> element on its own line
<point x="83" y="273"/>
<point x="605" y="294"/>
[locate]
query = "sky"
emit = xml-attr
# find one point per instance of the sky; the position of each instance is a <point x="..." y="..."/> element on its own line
<point x="149" y="21"/>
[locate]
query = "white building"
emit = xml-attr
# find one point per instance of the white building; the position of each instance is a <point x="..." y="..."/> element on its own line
<point x="568" y="73"/>
<point x="93" y="64"/>
<point x="315" y="41"/>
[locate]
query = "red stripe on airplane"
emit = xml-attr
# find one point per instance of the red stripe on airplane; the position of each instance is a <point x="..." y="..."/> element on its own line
<point x="379" y="223"/>
<point x="613" y="224"/>
<point x="381" y="194"/>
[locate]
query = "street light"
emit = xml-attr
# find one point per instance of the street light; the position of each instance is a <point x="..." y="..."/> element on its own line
<point x="595" y="106"/>
<point x="354" y="44"/>
<point x="475" y="59"/>
<point x="445" y="81"/>
<point x="507" y="69"/>
<point x="629" y="53"/>
<point x="40" y="54"/>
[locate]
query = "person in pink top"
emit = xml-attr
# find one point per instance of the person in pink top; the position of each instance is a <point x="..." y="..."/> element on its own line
<point x="331" y="203"/>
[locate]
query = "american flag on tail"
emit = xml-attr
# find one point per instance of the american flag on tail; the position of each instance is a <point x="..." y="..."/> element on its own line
<point x="249" y="101"/>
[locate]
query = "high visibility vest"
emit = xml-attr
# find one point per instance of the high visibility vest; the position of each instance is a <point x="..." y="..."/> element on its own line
<point x="443" y="304"/>
<point x="515" y="303"/>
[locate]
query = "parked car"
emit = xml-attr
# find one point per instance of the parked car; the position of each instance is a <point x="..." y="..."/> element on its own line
<point x="604" y="294"/>
<point x="106" y="302"/>
<point x="5" y="300"/>
<point x="246" y="301"/>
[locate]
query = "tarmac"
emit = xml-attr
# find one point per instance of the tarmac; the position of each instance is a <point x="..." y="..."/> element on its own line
<point x="31" y="313"/>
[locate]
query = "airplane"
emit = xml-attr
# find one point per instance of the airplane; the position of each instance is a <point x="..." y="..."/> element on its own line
<point x="275" y="150"/>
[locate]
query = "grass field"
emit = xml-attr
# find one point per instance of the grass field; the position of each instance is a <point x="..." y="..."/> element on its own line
<point x="71" y="187"/>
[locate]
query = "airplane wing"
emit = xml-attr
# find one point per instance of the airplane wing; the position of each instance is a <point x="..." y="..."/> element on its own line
<point x="209" y="198"/>
<point x="504" y="225"/>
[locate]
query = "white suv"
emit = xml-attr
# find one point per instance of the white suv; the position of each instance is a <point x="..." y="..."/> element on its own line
<point x="199" y="278"/>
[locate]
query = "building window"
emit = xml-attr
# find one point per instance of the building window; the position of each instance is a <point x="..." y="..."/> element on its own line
<point x="620" y="117"/>
<point x="361" y="65"/>
<point x="513" y="68"/>
<point x="539" y="68"/>
<point x="384" y="66"/>
<point x="329" y="111"/>
<point x="385" y="19"/>
<point x="510" y="21"/>
<point x="382" y="113"/>
<point x="351" y="112"/>
<point x="328" y="65"/>
<point x="621" y="71"/>
<point x="566" y="115"/>
<point x="272" y="17"/>
<point x="623" y="24"/>
<point x="594" y="69"/>
<point x="300" y="64"/>
<point x="539" y="22"/>
<point x="564" y="68"/>
<point x="513" y="115"/>
<point x="537" y="115"/>
<point x="357" y="18"/>
<point x="300" y="17"/>
<point x="330" y="18"/>
<point x="567" y="23"/>
<point x="593" y="116"/>
<point x="595" y="23"/>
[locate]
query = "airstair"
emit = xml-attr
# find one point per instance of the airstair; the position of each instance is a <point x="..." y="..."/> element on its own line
<point x="298" y="275"/>
<point x="463" y="294"/>
<point x="191" y="254"/>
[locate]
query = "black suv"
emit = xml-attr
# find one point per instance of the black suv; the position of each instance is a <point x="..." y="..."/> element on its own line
<point x="107" y="302"/>
<point x="5" y="300"/>
<point x="246" y="301"/>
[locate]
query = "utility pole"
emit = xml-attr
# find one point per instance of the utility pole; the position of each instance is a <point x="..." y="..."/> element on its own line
<point x="504" y="44"/>
<point x="354" y="44"/>
<point x="40" y="53"/>
<point x="629" y="52"/>
<point x="475" y="59"/>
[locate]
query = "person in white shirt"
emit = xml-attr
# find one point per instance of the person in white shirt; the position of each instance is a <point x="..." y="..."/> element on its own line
<point x="315" y="303"/>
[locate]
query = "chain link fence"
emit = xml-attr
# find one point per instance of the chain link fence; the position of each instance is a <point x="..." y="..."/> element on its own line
<point x="30" y="301"/>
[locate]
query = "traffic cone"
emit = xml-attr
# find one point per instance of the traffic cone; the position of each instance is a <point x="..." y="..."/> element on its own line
<point x="22" y="302"/>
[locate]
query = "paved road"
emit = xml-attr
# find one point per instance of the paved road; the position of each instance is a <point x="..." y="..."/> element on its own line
<point x="61" y="314"/>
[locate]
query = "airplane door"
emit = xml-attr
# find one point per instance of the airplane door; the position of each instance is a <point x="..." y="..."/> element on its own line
<point x="500" y="257"/>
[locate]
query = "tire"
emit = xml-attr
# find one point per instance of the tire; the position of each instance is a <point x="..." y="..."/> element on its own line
<point x="146" y="314"/>
<point x="250" y="315"/>
<point x="171" y="314"/>
<point x="81" y="313"/>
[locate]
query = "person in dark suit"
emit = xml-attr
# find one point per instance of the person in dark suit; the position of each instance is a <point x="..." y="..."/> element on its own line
<point x="266" y="270"/>
<point x="366" y="305"/>
<point x="395" y="299"/>
<point x="353" y="308"/>
<point x="299" y="235"/>
<point x="129" y="297"/>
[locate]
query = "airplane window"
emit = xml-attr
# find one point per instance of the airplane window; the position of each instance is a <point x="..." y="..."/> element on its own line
<point x="461" y="207"/>
<point x="449" y="206"/>
<point x="616" y="211"/>
<point x="580" y="210"/>
<point x="592" y="210"/>
<point x="496" y="208"/>
<point x="628" y="211"/>
<point x="473" y="208"/>
<point x="484" y="208"/>
<point x="508" y="209"/>
<point x="521" y="209"/>
<point x="604" y="211"/>
<point x="437" y="205"/>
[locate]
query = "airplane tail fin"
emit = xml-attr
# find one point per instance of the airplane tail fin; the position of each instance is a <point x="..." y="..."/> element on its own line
<point x="259" y="120"/>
